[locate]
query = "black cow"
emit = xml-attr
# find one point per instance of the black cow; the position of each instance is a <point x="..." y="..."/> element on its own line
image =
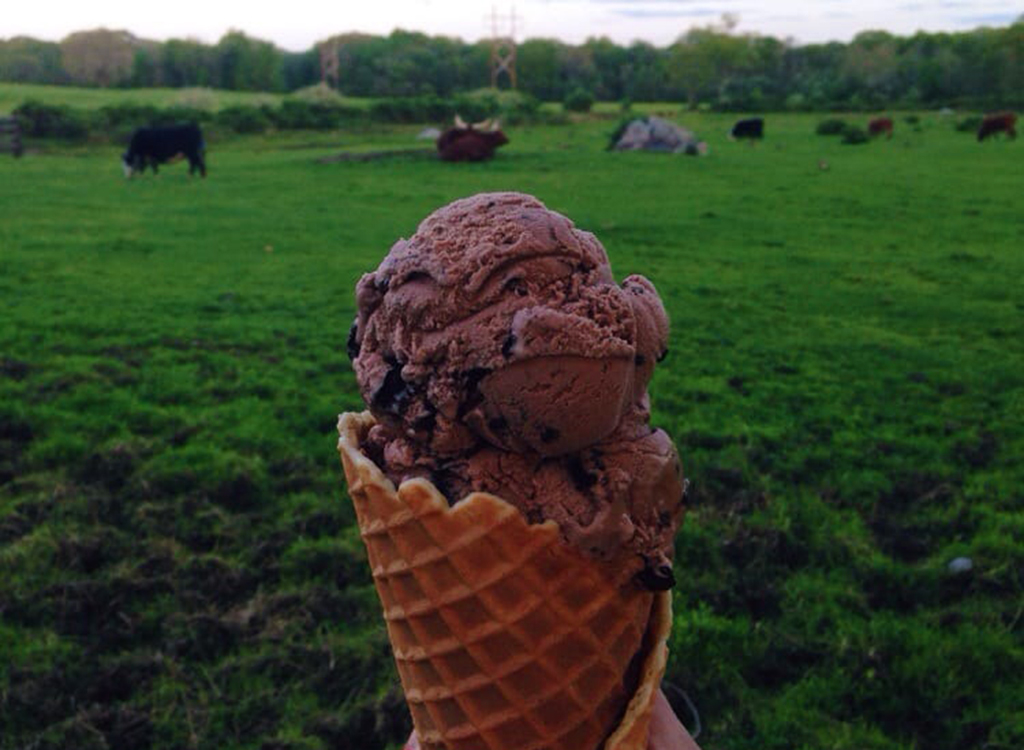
<point x="158" y="145"/>
<point x="752" y="128"/>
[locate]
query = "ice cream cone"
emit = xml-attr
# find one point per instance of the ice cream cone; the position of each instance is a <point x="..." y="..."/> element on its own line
<point x="505" y="637"/>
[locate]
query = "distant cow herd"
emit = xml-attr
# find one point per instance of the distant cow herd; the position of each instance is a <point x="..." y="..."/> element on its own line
<point x="152" y="146"/>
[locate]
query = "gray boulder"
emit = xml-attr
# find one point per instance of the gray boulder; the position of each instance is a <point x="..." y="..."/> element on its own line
<point x="655" y="134"/>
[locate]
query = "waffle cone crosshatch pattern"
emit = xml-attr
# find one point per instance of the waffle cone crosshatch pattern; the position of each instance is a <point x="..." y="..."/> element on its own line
<point x="504" y="636"/>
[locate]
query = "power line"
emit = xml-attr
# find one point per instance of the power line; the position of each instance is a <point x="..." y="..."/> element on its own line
<point x="503" y="46"/>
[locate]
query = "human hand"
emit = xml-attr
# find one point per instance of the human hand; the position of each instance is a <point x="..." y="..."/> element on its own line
<point x="667" y="732"/>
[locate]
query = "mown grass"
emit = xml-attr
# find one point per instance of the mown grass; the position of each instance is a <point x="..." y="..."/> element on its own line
<point x="845" y="385"/>
<point x="13" y="94"/>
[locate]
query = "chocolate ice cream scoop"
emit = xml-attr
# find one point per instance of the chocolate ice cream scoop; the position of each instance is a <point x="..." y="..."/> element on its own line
<point x="497" y="353"/>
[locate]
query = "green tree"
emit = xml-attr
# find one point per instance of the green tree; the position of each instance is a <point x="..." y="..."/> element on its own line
<point x="610" y="63"/>
<point x="538" y="68"/>
<point x="703" y="60"/>
<point x="186" y="62"/>
<point x="98" y="58"/>
<point x="145" y="71"/>
<point x="300" y="69"/>
<point x="645" y="74"/>
<point x="27" y="60"/>
<point x="870" y="67"/>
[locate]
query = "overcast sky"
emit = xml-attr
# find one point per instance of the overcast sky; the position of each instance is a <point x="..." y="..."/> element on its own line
<point x="298" y="24"/>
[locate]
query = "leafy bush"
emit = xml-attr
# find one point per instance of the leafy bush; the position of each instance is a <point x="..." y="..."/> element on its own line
<point x="969" y="124"/>
<point x="619" y="130"/>
<point x="478" y="105"/>
<point x="118" y="121"/>
<point x="508" y="105"/>
<point x="854" y="135"/>
<point x="243" y="119"/>
<point x="578" y="100"/>
<point x="796" y="102"/>
<point x="319" y="93"/>
<point x="40" y="120"/>
<point x="301" y="114"/>
<point x="181" y="113"/>
<point x="128" y="115"/>
<point x="413" y="109"/>
<point x="912" y="119"/>
<point x="831" y="126"/>
<point x="515" y="107"/>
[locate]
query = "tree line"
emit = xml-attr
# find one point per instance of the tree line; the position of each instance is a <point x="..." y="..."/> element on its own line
<point x="708" y="66"/>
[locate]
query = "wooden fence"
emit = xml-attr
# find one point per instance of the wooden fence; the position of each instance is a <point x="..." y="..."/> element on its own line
<point x="10" y="137"/>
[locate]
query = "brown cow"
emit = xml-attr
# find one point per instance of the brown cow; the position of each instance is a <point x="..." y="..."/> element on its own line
<point x="1003" y="122"/>
<point x="475" y="142"/>
<point x="880" y="125"/>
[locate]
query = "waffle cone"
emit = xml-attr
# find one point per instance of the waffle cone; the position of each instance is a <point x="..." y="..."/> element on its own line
<point x="505" y="637"/>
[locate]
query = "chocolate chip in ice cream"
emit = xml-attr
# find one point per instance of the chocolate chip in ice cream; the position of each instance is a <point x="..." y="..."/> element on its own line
<point x="656" y="577"/>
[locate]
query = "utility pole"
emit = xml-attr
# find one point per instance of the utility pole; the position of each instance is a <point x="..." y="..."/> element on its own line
<point x="503" y="46"/>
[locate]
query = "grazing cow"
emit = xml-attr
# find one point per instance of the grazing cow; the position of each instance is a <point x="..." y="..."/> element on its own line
<point x="475" y="142"/>
<point x="1004" y="122"/>
<point x="752" y="129"/>
<point x="158" y="145"/>
<point x="880" y="125"/>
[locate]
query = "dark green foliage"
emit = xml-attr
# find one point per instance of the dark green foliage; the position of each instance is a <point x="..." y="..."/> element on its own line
<point x="477" y="106"/>
<point x="116" y="122"/>
<point x="969" y="124"/>
<point x="854" y="135"/>
<point x="831" y="126"/>
<point x="578" y="100"/>
<point x="295" y="114"/>
<point x="27" y="60"/>
<point x="512" y="107"/>
<point x="417" y="109"/>
<point x="912" y="119"/>
<point x="518" y="108"/>
<point x="39" y="120"/>
<point x="619" y="130"/>
<point x="979" y="68"/>
<point x="180" y="113"/>
<point x="243" y="119"/>
<point x="123" y="118"/>
<point x="128" y="115"/>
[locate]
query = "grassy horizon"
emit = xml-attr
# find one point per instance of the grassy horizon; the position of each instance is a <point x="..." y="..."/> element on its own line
<point x="845" y="385"/>
<point x="82" y="97"/>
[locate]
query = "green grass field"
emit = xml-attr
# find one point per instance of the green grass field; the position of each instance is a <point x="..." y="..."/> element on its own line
<point x="13" y="94"/>
<point x="845" y="385"/>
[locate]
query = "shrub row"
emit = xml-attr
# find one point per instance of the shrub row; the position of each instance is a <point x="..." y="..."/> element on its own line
<point x="851" y="135"/>
<point x="40" y="120"/>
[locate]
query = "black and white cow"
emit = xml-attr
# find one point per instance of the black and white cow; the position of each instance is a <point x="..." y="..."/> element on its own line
<point x="158" y="145"/>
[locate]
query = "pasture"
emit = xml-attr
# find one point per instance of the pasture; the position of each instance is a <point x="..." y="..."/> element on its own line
<point x="13" y="94"/>
<point x="845" y="385"/>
